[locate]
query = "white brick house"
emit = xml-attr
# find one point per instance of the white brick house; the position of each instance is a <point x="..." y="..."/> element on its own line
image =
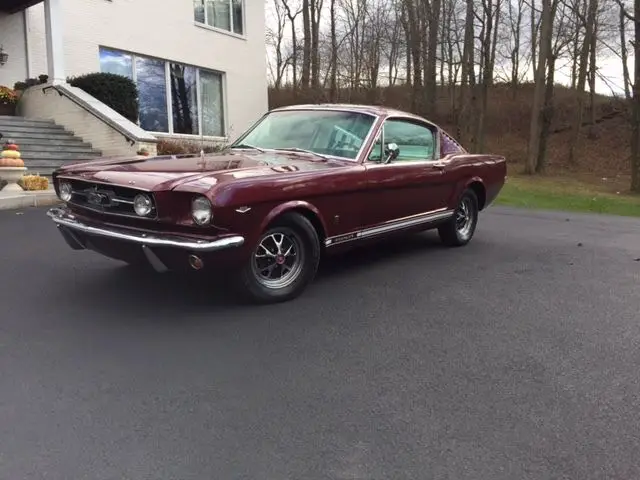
<point x="200" y="65"/>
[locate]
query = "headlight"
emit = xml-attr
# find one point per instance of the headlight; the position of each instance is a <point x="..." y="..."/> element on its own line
<point x="142" y="204"/>
<point x="66" y="192"/>
<point x="201" y="210"/>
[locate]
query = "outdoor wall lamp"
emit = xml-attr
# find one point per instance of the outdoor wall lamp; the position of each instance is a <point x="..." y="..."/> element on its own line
<point x="4" y="56"/>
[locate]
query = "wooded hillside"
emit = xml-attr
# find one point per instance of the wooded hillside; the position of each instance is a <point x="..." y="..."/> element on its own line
<point x="603" y="149"/>
<point x="486" y="70"/>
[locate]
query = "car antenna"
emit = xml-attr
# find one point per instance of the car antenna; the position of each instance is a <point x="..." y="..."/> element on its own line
<point x="202" y="161"/>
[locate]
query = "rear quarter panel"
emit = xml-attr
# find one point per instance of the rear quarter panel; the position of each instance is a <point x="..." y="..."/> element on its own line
<point x="465" y="169"/>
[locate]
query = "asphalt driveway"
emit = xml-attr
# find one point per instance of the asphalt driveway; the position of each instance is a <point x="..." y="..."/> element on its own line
<point x="516" y="357"/>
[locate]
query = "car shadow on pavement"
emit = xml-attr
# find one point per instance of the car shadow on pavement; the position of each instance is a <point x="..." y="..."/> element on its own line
<point x="138" y="292"/>
<point x="393" y="249"/>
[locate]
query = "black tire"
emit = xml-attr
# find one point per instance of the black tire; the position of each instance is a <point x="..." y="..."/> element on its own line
<point x="295" y="234"/>
<point x="459" y="230"/>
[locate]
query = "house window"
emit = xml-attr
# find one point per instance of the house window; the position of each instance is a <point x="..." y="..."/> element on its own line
<point x="184" y="99"/>
<point x="150" y="77"/>
<point x="222" y="14"/>
<point x="174" y="98"/>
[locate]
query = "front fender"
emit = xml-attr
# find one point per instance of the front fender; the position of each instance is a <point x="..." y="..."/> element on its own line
<point x="292" y="205"/>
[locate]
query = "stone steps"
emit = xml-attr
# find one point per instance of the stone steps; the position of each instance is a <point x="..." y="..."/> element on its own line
<point x="44" y="145"/>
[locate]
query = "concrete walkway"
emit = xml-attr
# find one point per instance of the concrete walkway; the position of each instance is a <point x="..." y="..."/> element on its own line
<point x="25" y="199"/>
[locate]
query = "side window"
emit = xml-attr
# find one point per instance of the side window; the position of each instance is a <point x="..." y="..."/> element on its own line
<point x="416" y="142"/>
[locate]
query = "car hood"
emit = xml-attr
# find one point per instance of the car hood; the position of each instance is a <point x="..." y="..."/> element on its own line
<point x="199" y="172"/>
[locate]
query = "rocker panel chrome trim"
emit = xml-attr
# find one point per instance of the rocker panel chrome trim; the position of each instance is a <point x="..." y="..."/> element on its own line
<point x="390" y="226"/>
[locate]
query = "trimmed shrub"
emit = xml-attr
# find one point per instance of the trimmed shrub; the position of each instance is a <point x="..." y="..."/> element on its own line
<point x="30" y="82"/>
<point x="116" y="91"/>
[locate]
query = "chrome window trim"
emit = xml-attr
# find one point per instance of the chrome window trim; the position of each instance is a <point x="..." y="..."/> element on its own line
<point x="425" y="123"/>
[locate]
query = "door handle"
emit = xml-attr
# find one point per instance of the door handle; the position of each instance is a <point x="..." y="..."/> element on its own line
<point x="439" y="165"/>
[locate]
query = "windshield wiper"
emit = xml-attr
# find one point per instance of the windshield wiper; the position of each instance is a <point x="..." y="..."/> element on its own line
<point x="244" y="145"/>
<point x="302" y="150"/>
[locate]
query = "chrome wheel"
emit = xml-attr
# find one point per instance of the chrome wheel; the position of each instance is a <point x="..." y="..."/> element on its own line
<point x="278" y="259"/>
<point x="459" y="229"/>
<point x="465" y="218"/>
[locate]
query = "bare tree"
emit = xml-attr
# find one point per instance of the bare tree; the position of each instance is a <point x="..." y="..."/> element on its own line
<point x="315" y="15"/>
<point x="415" y="45"/>
<point x="292" y="14"/>
<point x="306" y="60"/>
<point x="432" y="13"/>
<point x="537" y="110"/>
<point x="562" y="38"/>
<point x="334" y="55"/>
<point x="489" y="21"/>
<point x="514" y="15"/>
<point x="589" y="26"/>
<point x="392" y="39"/>
<point x="624" y="56"/>
<point x="275" y="40"/>
<point x="635" y="119"/>
<point x="467" y="85"/>
<point x="635" y="102"/>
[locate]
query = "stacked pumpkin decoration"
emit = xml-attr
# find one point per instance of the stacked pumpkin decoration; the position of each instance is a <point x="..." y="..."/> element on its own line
<point x="10" y="156"/>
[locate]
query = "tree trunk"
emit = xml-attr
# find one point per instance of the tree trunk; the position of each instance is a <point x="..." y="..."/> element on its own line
<point x="415" y="45"/>
<point x="407" y="36"/>
<point x="547" y="116"/>
<point x="306" y="50"/>
<point x="534" y="38"/>
<point x="575" y="60"/>
<point x="635" y="119"/>
<point x="582" y="77"/>
<point x="334" y="55"/>
<point x="546" y="30"/>
<point x="294" y="41"/>
<point x="315" y="42"/>
<point x="515" y="51"/>
<point x="488" y="56"/>
<point x="592" y="80"/>
<point x="624" y="55"/>
<point x="430" y="67"/>
<point x="466" y="83"/>
<point x="443" y="45"/>
<point x="494" y="42"/>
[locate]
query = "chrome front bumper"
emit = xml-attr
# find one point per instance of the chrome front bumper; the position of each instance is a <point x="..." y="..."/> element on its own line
<point x="71" y="224"/>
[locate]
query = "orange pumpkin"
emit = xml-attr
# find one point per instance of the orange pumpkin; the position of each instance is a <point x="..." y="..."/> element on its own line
<point x="11" y="162"/>
<point x="11" y="146"/>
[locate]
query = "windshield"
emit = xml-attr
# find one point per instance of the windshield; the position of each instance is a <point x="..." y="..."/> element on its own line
<point x="324" y="132"/>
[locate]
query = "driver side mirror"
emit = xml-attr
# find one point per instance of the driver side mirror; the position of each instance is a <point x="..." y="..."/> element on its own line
<point x="391" y="152"/>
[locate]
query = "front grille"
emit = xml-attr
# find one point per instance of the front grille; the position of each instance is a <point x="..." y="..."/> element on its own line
<point x="105" y="198"/>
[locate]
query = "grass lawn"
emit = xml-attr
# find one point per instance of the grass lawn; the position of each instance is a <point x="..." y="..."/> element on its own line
<point x="566" y="194"/>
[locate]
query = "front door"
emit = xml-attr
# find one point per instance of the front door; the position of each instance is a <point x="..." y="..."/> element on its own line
<point x="412" y="186"/>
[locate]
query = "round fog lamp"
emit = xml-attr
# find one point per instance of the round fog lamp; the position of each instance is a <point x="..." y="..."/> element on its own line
<point x="142" y="205"/>
<point x="66" y="192"/>
<point x="201" y="210"/>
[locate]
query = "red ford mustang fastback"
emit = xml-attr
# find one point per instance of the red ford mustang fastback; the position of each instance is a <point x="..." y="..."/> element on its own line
<point x="303" y="181"/>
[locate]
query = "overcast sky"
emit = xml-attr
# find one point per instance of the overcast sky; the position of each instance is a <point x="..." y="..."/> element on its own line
<point x="609" y="66"/>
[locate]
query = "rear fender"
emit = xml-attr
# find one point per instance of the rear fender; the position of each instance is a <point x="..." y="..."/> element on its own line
<point x="461" y="186"/>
